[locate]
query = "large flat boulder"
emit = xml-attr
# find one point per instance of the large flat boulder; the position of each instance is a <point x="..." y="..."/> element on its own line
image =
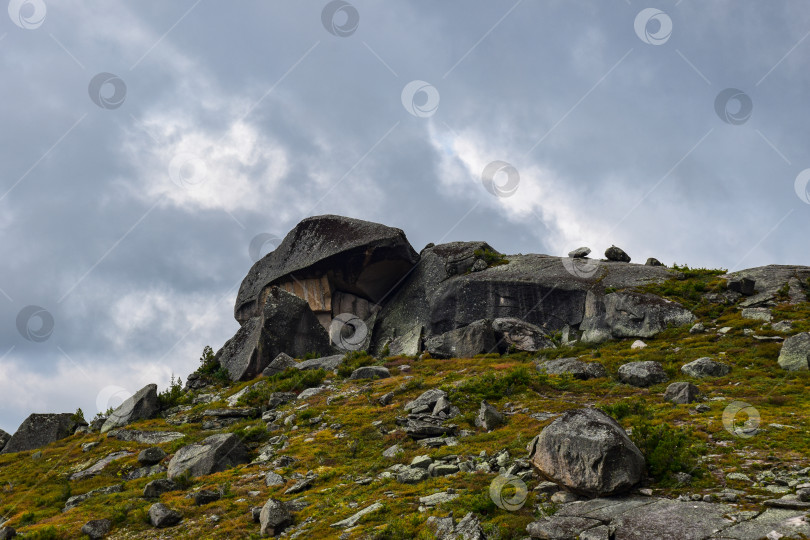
<point x="475" y="338"/>
<point x="768" y="280"/>
<point x="142" y="405"/>
<point x="795" y="353"/>
<point x="286" y="325"/>
<point x="39" y="430"/>
<point x="587" y="452"/>
<point x="630" y="314"/>
<point x="358" y="257"/>
<point x="213" y="454"/>
<point x="574" y="367"/>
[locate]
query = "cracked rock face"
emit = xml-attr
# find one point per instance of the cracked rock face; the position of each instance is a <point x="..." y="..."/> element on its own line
<point x="588" y="453"/>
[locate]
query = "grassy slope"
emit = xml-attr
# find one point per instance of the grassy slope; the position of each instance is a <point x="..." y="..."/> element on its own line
<point x="33" y="490"/>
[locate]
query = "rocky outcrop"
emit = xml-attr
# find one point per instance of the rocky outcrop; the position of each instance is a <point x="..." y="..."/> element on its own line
<point x="628" y="314"/>
<point x="97" y="529"/>
<point x="769" y="282"/>
<point x="795" y="353"/>
<point x="144" y="404"/>
<point x="587" y="452"/>
<point x="286" y="324"/>
<point x="357" y="257"/>
<point x="213" y="454"/>
<point x="274" y="517"/>
<point x="39" y="430"/>
<point x="514" y="334"/>
<point x="4" y="437"/>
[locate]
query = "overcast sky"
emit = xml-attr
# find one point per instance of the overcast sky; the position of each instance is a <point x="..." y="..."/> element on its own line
<point x="146" y="144"/>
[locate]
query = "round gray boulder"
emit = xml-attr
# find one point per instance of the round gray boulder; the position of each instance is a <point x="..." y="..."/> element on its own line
<point x="681" y="393"/>
<point x="642" y="374"/>
<point x="795" y="353"/>
<point x="588" y="453"/>
<point x="705" y="367"/>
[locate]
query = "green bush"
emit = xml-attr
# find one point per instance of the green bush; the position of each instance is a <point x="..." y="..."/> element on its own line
<point x="623" y="409"/>
<point x="491" y="257"/>
<point x="254" y="433"/>
<point x="353" y="360"/>
<point x="667" y="450"/>
<point x="289" y="380"/>
<point x="173" y="395"/>
<point x="494" y="386"/>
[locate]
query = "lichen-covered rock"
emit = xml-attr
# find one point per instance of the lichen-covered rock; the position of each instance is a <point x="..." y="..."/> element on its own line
<point x="162" y="516"/>
<point x="97" y="528"/>
<point x="39" y="430"/>
<point x="681" y="393"/>
<point x="213" y="454"/>
<point x="475" y="338"/>
<point x="488" y="417"/>
<point x="274" y="517"/>
<point x="795" y="353"/>
<point x="642" y="374"/>
<point x="513" y="333"/>
<point x="574" y="367"/>
<point x="705" y="367"/>
<point x="630" y="314"/>
<point x="142" y="405"/>
<point x="588" y="453"/>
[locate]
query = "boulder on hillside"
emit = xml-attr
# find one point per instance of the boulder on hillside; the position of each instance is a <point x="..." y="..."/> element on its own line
<point x="705" y="367"/>
<point x="280" y="364"/>
<point x="370" y="372"/>
<point x="425" y="402"/>
<point x="39" y="430"/>
<point x="151" y="455"/>
<point x="630" y="314"/>
<point x="286" y="324"/>
<point x="616" y="254"/>
<point x="324" y="254"/>
<point x="475" y="338"/>
<point x="770" y="281"/>
<point x="274" y="517"/>
<point x="511" y="332"/>
<point x="142" y="405"/>
<point x="162" y="516"/>
<point x="213" y="454"/>
<point x="489" y="417"/>
<point x="588" y="453"/>
<point x="795" y="353"/>
<point x="681" y="393"/>
<point x="579" y="253"/>
<point x="642" y="374"/>
<point x="574" y="367"/>
<point x="97" y="529"/>
<point x="4" y="437"/>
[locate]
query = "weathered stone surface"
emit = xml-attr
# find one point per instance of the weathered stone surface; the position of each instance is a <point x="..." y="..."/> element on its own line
<point x="145" y="437"/>
<point x="426" y="401"/>
<point x="488" y="417"/>
<point x="4" y="437"/>
<point x="617" y="254"/>
<point x="652" y="261"/>
<point x="574" y="367"/>
<point x="274" y="479"/>
<point x="285" y="324"/>
<point x="629" y="314"/>
<point x="561" y="527"/>
<point x="705" y="367"/>
<point x="156" y="488"/>
<point x="7" y="533"/>
<point x="359" y="257"/>
<point x="162" y="516"/>
<point x="39" y="430"/>
<point x="142" y="405"/>
<point x="352" y="520"/>
<point x="76" y="500"/>
<point x="681" y="392"/>
<point x="370" y="372"/>
<point x="279" y="364"/>
<point x="475" y="338"/>
<point x="274" y="517"/>
<point x="769" y="280"/>
<point x="795" y="353"/>
<point x="587" y="452"/>
<point x="412" y="475"/>
<point x="425" y="426"/>
<point x="206" y="496"/>
<point x="213" y="454"/>
<point x="328" y="363"/>
<point x="151" y="456"/>
<point x="579" y="252"/>
<point x="642" y="374"/>
<point x="513" y="333"/>
<point x="98" y="466"/>
<point x="439" y="295"/>
<point x="280" y="398"/>
<point x="97" y="528"/>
